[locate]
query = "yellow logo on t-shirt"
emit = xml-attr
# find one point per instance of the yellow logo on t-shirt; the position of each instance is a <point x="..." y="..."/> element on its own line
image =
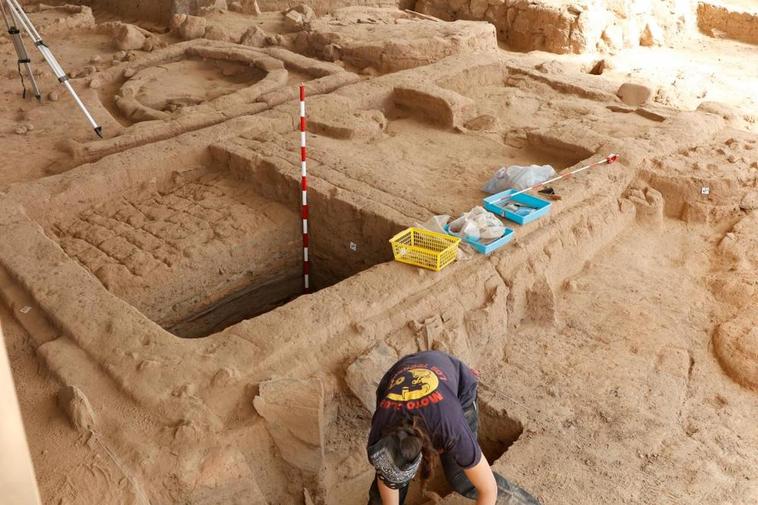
<point x="413" y="384"/>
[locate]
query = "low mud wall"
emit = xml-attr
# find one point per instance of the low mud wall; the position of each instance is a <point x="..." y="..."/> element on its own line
<point x="565" y="27"/>
<point x="158" y="11"/>
<point x="718" y="20"/>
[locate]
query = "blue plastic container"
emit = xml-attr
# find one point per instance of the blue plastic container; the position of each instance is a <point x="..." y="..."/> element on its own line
<point x="491" y="246"/>
<point x="538" y="206"/>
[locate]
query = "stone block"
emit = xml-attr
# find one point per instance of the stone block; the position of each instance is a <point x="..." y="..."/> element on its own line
<point x="77" y="408"/>
<point x="634" y="94"/>
<point x="294" y="414"/>
<point x="364" y="374"/>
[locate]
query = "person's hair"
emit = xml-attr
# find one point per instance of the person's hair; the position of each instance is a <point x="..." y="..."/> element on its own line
<point x="407" y="438"/>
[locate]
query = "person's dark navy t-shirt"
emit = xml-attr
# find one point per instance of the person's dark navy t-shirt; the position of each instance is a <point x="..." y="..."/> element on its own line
<point x="437" y="387"/>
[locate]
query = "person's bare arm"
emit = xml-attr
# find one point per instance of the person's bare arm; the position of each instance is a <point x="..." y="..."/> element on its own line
<point x="483" y="479"/>
<point x="389" y="496"/>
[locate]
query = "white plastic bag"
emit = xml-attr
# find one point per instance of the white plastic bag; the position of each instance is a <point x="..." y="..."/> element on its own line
<point x="518" y="177"/>
<point x="465" y="228"/>
<point x="435" y="223"/>
<point x="477" y="225"/>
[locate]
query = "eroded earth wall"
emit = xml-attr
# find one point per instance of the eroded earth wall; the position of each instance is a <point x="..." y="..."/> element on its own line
<point x="573" y="27"/>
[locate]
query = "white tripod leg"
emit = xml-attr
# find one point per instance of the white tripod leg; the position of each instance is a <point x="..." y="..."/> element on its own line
<point x="23" y="56"/>
<point x="18" y="13"/>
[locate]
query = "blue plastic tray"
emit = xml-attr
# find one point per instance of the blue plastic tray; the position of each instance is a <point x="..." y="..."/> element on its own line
<point x="540" y="206"/>
<point x="492" y="246"/>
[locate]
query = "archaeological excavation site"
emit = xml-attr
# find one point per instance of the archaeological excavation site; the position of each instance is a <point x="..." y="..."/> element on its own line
<point x="252" y="251"/>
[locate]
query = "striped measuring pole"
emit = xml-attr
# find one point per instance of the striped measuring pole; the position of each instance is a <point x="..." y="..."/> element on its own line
<point x="611" y="158"/>
<point x="304" y="190"/>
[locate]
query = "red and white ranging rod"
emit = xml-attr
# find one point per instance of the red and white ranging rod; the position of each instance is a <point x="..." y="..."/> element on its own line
<point x="304" y="189"/>
<point x="611" y="158"/>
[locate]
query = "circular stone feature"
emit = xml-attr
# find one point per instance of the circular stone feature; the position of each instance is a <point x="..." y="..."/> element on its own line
<point x="164" y="89"/>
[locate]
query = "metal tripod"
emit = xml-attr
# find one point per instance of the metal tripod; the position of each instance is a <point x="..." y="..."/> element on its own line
<point x="17" y="15"/>
<point x="23" y="58"/>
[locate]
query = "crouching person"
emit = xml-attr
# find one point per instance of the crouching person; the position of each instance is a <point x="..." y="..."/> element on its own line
<point x="426" y="406"/>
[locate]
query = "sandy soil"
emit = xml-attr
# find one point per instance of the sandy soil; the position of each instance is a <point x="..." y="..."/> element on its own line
<point x="682" y="75"/>
<point x="634" y="327"/>
<point x="77" y="469"/>
<point x="616" y="336"/>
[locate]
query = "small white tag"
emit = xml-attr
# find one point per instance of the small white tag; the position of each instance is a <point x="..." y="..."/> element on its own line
<point x="705" y="190"/>
<point x="353" y="246"/>
<point x="25" y="309"/>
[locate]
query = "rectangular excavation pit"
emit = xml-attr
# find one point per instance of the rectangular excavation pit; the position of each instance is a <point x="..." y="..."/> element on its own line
<point x="206" y="250"/>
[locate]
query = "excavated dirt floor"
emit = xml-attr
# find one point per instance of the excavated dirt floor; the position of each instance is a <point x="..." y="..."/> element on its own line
<point x="151" y="282"/>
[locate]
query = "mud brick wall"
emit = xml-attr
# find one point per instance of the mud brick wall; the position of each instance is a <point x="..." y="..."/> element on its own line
<point x="324" y="6"/>
<point x="732" y="23"/>
<point x="159" y="11"/>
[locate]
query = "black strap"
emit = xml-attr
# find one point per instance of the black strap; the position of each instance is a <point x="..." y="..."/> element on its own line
<point x="21" y="75"/>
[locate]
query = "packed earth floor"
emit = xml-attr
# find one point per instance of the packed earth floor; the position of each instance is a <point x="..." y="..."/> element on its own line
<point x="151" y="282"/>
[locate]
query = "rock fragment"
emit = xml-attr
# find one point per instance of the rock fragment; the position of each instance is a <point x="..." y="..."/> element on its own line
<point x="294" y="414"/>
<point x="128" y="37"/>
<point x="364" y="374"/>
<point x="217" y="32"/>
<point x="652" y="35"/>
<point x="255" y="37"/>
<point x="634" y="94"/>
<point x="78" y="409"/>
<point x="246" y="7"/>
<point x="192" y="27"/>
<point x="599" y="67"/>
<point x="750" y="201"/>
<point x="293" y="20"/>
<point x="482" y="123"/>
<point x="307" y="12"/>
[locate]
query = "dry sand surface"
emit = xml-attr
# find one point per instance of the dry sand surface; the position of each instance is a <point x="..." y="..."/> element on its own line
<point x="150" y="282"/>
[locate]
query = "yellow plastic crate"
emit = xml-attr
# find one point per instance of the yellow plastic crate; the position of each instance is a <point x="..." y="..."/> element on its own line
<point x="424" y="248"/>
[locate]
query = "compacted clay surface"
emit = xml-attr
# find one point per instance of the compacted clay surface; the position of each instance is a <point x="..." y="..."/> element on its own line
<point x="151" y="294"/>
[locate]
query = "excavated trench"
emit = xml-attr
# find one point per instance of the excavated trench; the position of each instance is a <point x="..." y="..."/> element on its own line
<point x="337" y="249"/>
<point x="208" y="250"/>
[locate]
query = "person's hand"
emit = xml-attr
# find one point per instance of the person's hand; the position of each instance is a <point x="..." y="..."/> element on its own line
<point x="483" y="479"/>
<point x="391" y="496"/>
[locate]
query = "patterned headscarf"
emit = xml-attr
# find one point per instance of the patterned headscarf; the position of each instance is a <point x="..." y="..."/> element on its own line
<point x="393" y="476"/>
